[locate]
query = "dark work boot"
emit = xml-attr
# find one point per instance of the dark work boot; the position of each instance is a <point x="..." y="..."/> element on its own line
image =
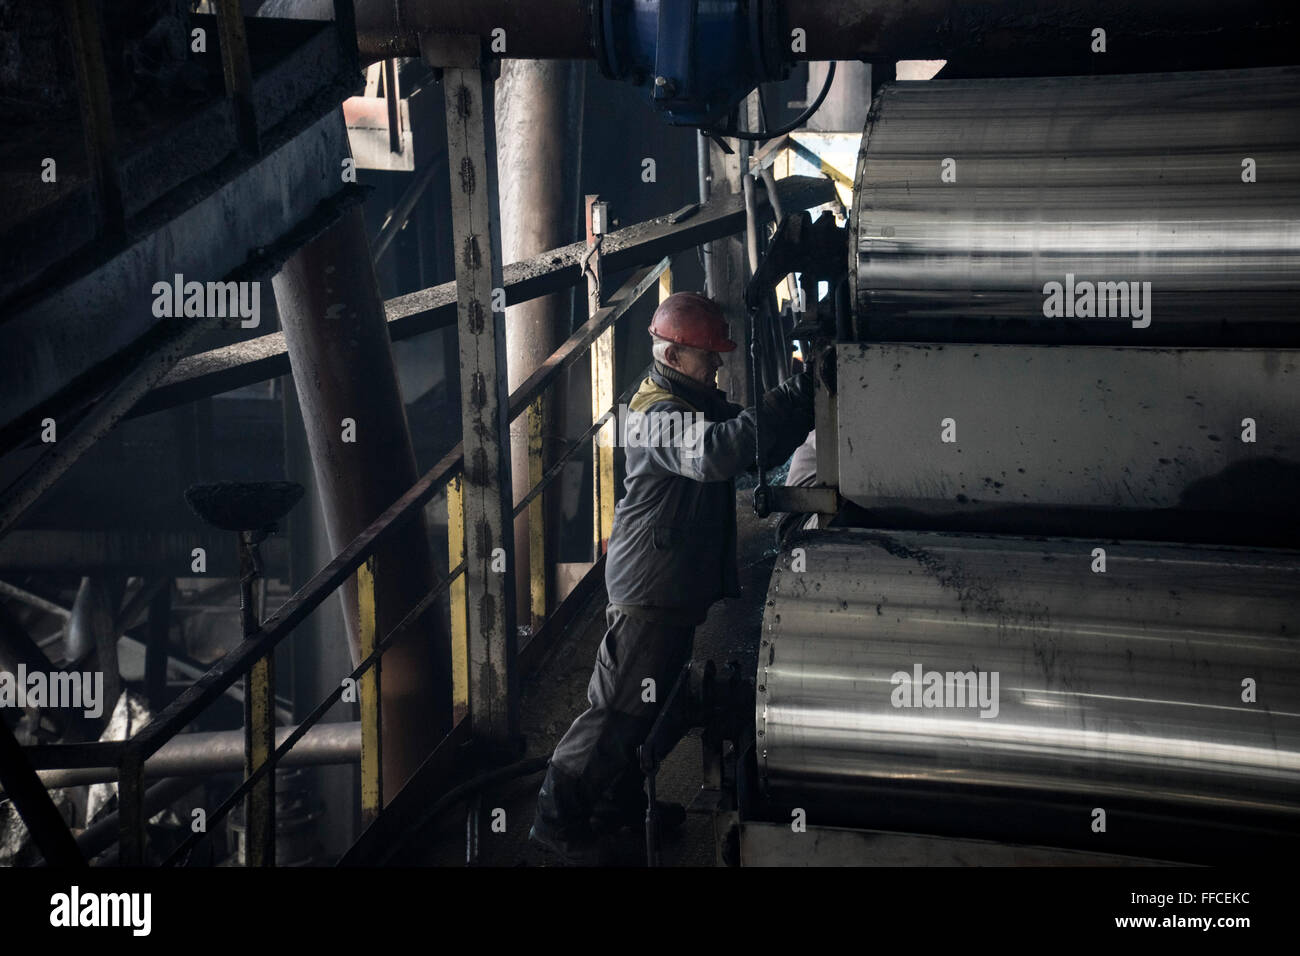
<point x="561" y="824"/>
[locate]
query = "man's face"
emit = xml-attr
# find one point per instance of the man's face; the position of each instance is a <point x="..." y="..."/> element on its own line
<point x="698" y="364"/>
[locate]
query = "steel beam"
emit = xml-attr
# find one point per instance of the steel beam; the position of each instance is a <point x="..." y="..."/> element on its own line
<point x="471" y="151"/>
<point x="157" y="645"/>
<point x="388" y="28"/>
<point x="405" y="205"/>
<point x="77" y="317"/>
<point x="256" y="360"/>
<point x="48" y="829"/>
<point x="154" y="354"/>
<point x="1056" y="36"/>
<point x="1006" y="35"/>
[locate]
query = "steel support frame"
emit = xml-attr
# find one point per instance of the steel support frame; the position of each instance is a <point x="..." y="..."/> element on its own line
<point x="426" y="310"/>
<point x="488" y="528"/>
<point x="21" y="785"/>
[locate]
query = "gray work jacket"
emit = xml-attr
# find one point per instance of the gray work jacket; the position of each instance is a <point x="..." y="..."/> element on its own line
<point x="672" y="551"/>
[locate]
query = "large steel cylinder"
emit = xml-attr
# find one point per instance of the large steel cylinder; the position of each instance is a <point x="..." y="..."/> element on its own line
<point x="1009" y="688"/>
<point x="1179" y="192"/>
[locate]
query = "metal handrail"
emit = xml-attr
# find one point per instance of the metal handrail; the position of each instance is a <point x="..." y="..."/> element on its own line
<point x="317" y="713"/>
<point x="129" y="755"/>
<point x="173" y="719"/>
<point x="558" y="465"/>
<point x="180" y="712"/>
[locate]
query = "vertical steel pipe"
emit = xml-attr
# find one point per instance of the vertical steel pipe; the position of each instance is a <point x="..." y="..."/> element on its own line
<point x="534" y="162"/>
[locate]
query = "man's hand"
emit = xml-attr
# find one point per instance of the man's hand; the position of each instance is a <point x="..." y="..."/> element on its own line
<point x="788" y="410"/>
<point x="795" y="394"/>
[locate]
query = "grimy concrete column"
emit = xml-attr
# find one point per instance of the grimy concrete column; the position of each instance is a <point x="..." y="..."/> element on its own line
<point x="337" y="339"/>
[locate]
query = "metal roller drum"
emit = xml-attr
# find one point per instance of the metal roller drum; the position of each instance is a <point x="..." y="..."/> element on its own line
<point x="973" y="195"/>
<point x="1120" y="690"/>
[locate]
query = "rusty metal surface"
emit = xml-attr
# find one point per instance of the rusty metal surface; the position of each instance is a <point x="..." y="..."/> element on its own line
<point x="1123" y="429"/>
<point x="1119" y="690"/>
<point x="484" y="398"/>
<point x="343" y="370"/>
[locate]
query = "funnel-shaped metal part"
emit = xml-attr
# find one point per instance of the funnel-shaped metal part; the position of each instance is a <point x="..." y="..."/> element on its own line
<point x="243" y="505"/>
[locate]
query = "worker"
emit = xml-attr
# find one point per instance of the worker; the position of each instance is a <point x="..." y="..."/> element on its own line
<point x="672" y="554"/>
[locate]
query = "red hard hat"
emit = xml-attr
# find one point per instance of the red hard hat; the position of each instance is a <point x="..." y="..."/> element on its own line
<point x="689" y="318"/>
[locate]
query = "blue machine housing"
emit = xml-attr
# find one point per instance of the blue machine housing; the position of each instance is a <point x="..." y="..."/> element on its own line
<point x="700" y="58"/>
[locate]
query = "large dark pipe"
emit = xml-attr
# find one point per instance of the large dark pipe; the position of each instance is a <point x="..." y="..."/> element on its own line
<point x="1186" y="34"/>
<point x="334" y="328"/>
<point x="560" y="29"/>
<point x="1170" y="34"/>
<point x="103" y="833"/>
<point x="222" y="751"/>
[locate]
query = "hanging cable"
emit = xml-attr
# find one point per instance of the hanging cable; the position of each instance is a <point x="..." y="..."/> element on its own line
<point x="789" y="127"/>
